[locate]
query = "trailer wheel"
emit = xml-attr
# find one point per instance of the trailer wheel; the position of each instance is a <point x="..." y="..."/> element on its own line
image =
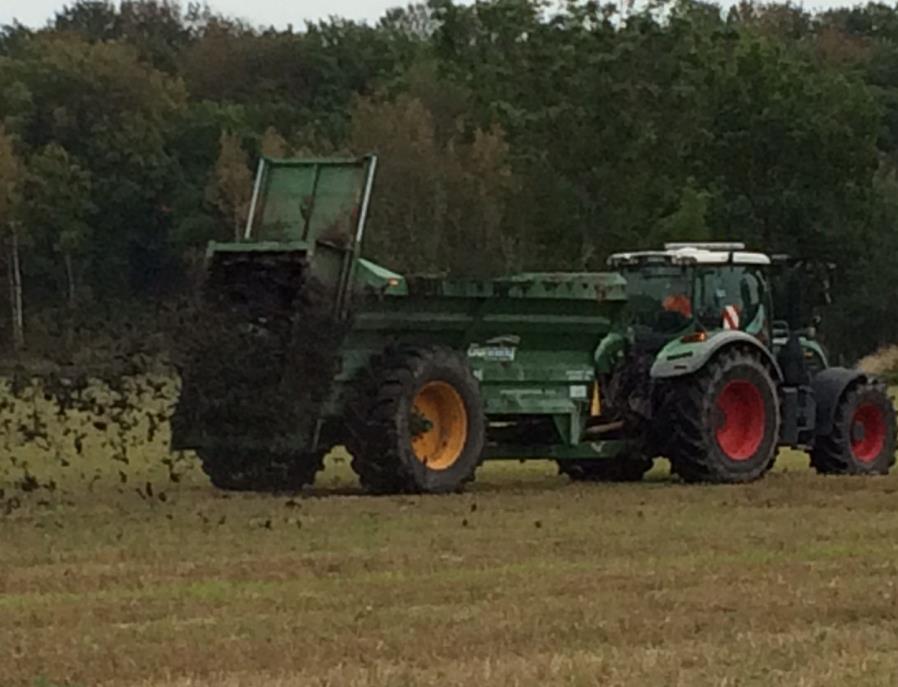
<point x="416" y="424"/>
<point x="862" y="440"/>
<point x="724" y="421"/>
<point x="606" y="469"/>
<point x="233" y="470"/>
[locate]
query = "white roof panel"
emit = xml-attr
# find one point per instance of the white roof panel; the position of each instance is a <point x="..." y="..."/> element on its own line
<point x="701" y="256"/>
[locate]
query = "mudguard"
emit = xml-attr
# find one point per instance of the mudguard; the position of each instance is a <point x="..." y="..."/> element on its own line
<point x="828" y="386"/>
<point x="679" y="358"/>
<point x="609" y="351"/>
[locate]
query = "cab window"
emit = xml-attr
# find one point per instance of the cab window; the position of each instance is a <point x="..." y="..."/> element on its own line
<point x="660" y="297"/>
<point x="731" y="297"/>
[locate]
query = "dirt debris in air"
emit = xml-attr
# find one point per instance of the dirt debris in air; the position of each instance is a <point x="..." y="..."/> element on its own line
<point x="254" y="361"/>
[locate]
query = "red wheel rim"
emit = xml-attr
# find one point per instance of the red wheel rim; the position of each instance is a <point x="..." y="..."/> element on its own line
<point x="868" y="432"/>
<point x="744" y="418"/>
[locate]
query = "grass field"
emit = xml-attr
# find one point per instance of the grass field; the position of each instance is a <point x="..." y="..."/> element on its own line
<point x="524" y="580"/>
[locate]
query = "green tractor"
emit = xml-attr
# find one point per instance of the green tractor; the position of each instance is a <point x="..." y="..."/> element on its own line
<point x="299" y="345"/>
<point x="723" y="383"/>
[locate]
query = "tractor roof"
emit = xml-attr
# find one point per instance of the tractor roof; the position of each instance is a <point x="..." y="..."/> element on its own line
<point x="693" y="253"/>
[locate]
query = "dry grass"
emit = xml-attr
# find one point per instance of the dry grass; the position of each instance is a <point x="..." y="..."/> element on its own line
<point x="882" y="362"/>
<point x="525" y="580"/>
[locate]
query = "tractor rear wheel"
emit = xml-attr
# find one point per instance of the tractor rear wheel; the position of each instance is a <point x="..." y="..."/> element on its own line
<point x="417" y="423"/>
<point x="862" y="440"/>
<point x="267" y="471"/>
<point x="724" y="421"/>
<point x="622" y="469"/>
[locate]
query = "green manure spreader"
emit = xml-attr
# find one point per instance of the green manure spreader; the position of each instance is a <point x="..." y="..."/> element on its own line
<point x="299" y="344"/>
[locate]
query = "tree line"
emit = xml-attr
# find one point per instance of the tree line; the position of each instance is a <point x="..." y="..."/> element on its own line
<point x="543" y="137"/>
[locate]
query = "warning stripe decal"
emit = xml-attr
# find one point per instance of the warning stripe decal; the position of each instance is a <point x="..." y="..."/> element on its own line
<point x="730" y="317"/>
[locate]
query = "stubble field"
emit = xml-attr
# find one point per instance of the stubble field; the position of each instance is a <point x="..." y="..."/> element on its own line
<point x="119" y="569"/>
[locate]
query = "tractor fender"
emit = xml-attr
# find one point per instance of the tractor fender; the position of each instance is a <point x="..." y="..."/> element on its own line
<point x="829" y="385"/>
<point x="680" y="359"/>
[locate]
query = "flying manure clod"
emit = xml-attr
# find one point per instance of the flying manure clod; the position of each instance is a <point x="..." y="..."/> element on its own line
<point x="298" y="345"/>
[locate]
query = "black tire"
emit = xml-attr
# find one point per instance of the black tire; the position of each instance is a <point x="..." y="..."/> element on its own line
<point x="862" y="440"/>
<point x="621" y="469"/>
<point x="383" y="426"/>
<point x="709" y="444"/>
<point x="233" y="470"/>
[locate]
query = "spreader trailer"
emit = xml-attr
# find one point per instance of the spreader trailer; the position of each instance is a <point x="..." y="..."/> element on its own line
<point x="301" y="345"/>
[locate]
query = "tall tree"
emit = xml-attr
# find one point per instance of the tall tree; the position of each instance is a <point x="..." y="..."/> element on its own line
<point x="156" y="28"/>
<point x="115" y="116"/>
<point x="10" y="196"/>
<point x="441" y="201"/>
<point x="59" y="212"/>
<point x="231" y="186"/>
<point x="793" y="152"/>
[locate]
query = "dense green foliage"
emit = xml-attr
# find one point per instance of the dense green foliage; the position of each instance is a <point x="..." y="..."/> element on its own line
<point x="511" y="137"/>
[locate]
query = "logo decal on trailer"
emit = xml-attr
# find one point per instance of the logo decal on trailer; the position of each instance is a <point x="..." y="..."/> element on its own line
<point x="498" y="349"/>
<point x="504" y="354"/>
<point x="730" y="317"/>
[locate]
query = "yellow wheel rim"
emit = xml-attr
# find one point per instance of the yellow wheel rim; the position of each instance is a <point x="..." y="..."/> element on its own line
<point x="445" y="421"/>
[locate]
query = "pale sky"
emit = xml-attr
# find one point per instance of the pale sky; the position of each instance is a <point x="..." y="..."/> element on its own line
<point x="258" y="12"/>
<point x="279" y="13"/>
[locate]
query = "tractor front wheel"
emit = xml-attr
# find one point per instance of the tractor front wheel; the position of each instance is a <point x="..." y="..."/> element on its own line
<point x="416" y="423"/>
<point x="862" y="439"/>
<point x="724" y="421"/>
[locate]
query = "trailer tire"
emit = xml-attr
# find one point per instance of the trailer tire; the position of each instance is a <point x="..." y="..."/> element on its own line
<point x="723" y="421"/>
<point x="862" y="439"/>
<point x="416" y="422"/>
<point x="606" y="469"/>
<point x="232" y="470"/>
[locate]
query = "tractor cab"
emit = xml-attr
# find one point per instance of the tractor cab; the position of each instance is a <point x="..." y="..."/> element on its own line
<point x="701" y="287"/>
